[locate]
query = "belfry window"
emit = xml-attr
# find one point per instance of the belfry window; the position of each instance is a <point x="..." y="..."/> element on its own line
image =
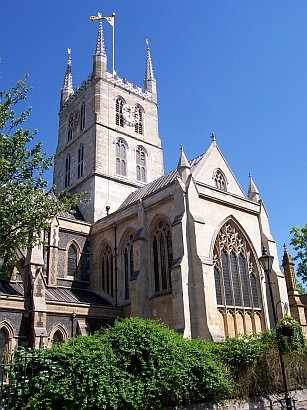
<point x="67" y="171"/>
<point x="140" y="164"/>
<point x="236" y="281"/>
<point x="121" y="157"/>
<point x="107" y="270"/>
<point x="82" y="117"/>
<point x="119" y="119"/>
<point x="80" y="160"/>
<point x="162" y="256"/>
<point x="71" y="261"/>
<point x="220" y="180"/>
<point x="128" y="264"/>
<point x="138" y="127"/>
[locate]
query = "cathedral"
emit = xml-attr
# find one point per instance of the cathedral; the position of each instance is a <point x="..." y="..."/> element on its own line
<point x="182" y="247"/>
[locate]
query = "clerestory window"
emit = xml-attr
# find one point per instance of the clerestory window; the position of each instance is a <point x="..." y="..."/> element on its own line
<point x="107" y="270"/>
<point x="71" y="261"/>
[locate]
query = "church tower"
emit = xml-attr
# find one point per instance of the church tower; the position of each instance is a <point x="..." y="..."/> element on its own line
<point x="108" y="141"/>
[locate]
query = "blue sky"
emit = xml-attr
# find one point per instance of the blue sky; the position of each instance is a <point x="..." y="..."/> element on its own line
<point x="237" y="68"/>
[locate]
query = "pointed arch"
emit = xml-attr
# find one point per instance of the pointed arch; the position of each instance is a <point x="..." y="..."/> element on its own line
<point x="106" y="269"/>
<point x="72" y="259"/>
<point x="121" y="148"/>
<point x="67" y="170"/>
<point x="119" y="118"/>
<point x="82" y="116"/>
<point x="140" y="159"/>
<point x="58" y="334"/>
<point x="6" y="338"/>
<point x="162" y="254"/>
<point x="237" y="279"/>
<point x="220" y="179"/>
<point x="80" y="160"/>
<point x="139" y="117"/>
<point x="127" y="261"/>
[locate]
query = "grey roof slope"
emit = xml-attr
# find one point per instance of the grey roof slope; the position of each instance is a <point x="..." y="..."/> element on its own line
<point x="68" y="295"/>
<point x="156" y="185"/>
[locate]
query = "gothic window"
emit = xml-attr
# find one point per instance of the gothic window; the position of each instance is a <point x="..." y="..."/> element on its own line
<point x="162" y="256"/>
<point x="140" y="164"/>
<point x="121" y="157"/>
<point x="69" y="134"/>
<point x="236" y="281"/>
<point x="82" y="117"/>
<point x="138" y="127"/>
<point x="67" y="170"/>
<point x="3" y="342"/>
<point x="107" y="270"/>
<point x="80" y="160"/>
<point x="220" y="180"/>
<point x="119" y="119"/>
<point x="71" y="261"/>
<point x="128" y="264"/>
<point x="57" y="337"/>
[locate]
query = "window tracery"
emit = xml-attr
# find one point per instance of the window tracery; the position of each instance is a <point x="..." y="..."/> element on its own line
<point x="128" y="264"/>
<point x="220" y="180"/>
<point x="138" y="127"/>
<point x="162" y="256"/>
<point x="121" y="157"/>
<point x="236" y="280"/>
<point x="107" y="270"/>
<point x="119" y="119"/>
<point x="140" y="164"/>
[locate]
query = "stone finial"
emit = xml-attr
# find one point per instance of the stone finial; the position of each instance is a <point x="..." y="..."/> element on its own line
<point x="67" y="85"/>
<point x="183" y="167"/>
<point x="100" y="50"/>
<point x="253" y="193"/>
<point x="213" y="137"/>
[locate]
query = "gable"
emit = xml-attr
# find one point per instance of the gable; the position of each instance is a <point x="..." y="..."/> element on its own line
<point x="211" y="166"/>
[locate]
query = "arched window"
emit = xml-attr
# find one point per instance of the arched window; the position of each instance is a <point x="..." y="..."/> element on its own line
<point x="121" y="157"/>
<point x="162" y="256"/>
<point x="220" y="180"/>
<point x="140" y="164"/>
<point x="71" y="261"/>
<point x="57" y="337"/>
<point x="119" y="119"/>
<point x="4" y="342"/>
<point x="236" y="281"/>
<point x="107" y="270"/>
<point x="80" y="160"/>
<point x="138" y="127"/>
<point x="82" y="116"/>
<point x="67" y="170"/>
<point x="128" y="264"/>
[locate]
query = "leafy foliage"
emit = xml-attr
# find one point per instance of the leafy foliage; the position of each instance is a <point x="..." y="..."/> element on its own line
<point x="299" y="243"/>
<point x="294" y="341"/>
<point x="25" y="204"/>
<point x="141" y="364"/>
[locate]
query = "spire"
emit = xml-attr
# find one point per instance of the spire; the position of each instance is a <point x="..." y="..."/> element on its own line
<point x="183" y="167"/>
<point x="289" y="272"/>
<point x="99" y="57"/>
<point x="100" y="51"/>
<point x="67" y="88"/>
<point x="253" y="193"/>
<point x="150" y="81"/>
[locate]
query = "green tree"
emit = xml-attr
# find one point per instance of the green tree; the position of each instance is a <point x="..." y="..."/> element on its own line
<point x="26" y="205"/>
<point x="299" y="243"/>
<point x="301" y="289"/>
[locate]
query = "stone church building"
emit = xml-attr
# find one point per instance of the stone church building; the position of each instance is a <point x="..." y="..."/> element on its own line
<point x="182" y="246"/>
